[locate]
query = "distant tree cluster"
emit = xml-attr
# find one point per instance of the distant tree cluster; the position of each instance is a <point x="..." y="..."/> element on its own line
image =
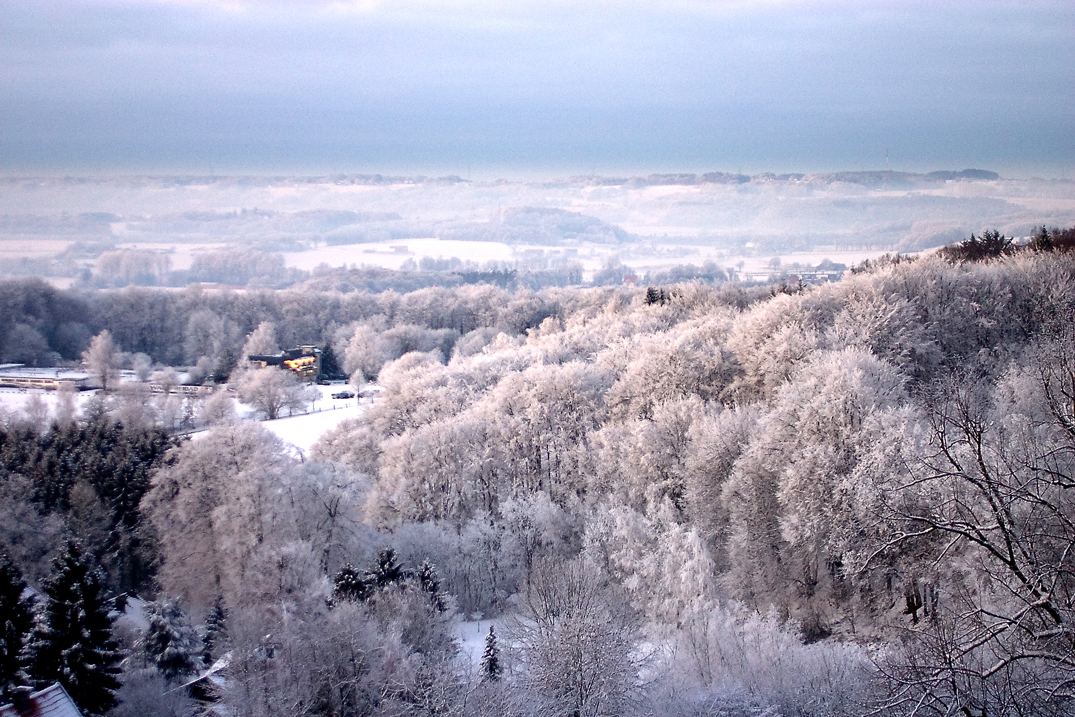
<point x="40" y="325"/>
<point x="992" y="245"/>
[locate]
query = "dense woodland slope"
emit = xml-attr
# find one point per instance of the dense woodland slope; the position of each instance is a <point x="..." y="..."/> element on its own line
<point x="688" y="499"/>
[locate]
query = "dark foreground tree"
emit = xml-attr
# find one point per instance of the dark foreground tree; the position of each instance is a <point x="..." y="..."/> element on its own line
<point x="429" y="581"/>
<point x="169" y="642"/>
<point x="386" y="568"/>
<point x="351" y="584"/>
<point x="991" y="245"/>
<point x="16" y="621"/>
<point x="72" y="641"/>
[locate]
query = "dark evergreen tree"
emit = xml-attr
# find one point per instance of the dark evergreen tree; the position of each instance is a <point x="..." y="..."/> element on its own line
<point x="117" y="462"/>
<point x="491" y="669"/>
<point x="169" y="642"/>
<point x="429" y="581"/>
<point x="330" y="365"/>
<point x="216" y="631"/>
<point x="991" y="245"/>
<point x="16" y="622"/>
<point x="386" y="568"/>
<point x="351" y="585"/>
<point x="1043" y="240"/>
<point x="71" y="642"/>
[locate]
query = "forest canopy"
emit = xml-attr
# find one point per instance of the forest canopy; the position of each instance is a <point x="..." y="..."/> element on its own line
<point x="682" y="499"/>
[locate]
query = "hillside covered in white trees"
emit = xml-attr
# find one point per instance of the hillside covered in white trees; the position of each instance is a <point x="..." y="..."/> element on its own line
<point x="683" y="499"/>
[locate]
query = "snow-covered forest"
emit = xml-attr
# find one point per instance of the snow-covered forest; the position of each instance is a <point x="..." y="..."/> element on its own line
<point x="687" y="499"/>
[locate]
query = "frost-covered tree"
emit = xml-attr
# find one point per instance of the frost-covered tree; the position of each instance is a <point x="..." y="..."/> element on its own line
<point x="577" y="643"/>
<point x="217" y="410"/>
<point x="271" y="390"/>
<point x="730" y="660"/>
<point x="66" y="409"/>
<point x="365" y="353"/>
<point x="169" y="641"/>
<point x="716" y="442"/>
<point x="992" y="495"/>
<point x="102" y="359"/>
<point x="261" y="341"/>
<point x="145" y="693"/>
<point x="36" y="412"/>
<point x="16" y="621"/>
<point x="72" y="642"/>
<point x="142" y="365"/>
<point x="213" y="507"/>
<point x="213" y="338"/>
<point x="356" y="659"/>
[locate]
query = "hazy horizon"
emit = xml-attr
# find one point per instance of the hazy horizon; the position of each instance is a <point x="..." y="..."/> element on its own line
<point x="487" y="175"/>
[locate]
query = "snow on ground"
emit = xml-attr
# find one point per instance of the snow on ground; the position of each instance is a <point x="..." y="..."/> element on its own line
<point x="386" y="255"/>
<point x="13" y="400"/>
<point x="472" y="638"/>
<point x="303" y="431"/>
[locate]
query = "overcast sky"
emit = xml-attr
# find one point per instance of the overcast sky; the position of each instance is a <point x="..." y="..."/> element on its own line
<point x="530" y="88"/>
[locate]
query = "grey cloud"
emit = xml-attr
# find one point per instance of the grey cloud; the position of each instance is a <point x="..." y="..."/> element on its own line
<point x="271" y="83"/>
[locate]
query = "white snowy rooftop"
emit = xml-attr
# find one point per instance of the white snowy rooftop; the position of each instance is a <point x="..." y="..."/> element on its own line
<point x="50" y="702"/>
<point x="21" y="371"/>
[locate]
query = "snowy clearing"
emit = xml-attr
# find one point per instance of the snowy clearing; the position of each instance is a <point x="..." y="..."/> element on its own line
<point x="303" y="431"/>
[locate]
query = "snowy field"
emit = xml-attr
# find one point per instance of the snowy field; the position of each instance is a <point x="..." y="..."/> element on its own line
<point x="301" y="431"/>
<point x="385" y="254"/>
<point x="591" y="256"/>
<point x="304" y="430"/>
<point x="13" y="400"/>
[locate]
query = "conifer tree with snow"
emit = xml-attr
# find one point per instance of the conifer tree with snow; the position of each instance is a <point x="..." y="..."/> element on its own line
<point x="429" y="581"/>
<point x="169" y="642"/>
<point x="350" y="584"/>
<point x="71" y="642"/>
<point x="491" y="669"/>
<point x="216" y="632"/>
<point x="386" y="568"/>
<point x="16" y="621"/>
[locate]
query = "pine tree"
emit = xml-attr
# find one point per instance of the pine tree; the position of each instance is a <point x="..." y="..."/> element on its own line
<point x="351" y="585"/>
<point x="169" y="641"/>
<point x="16" y="621"/>
<point x="216" y="631"/>
<point x="491" y="668"/>
<point x="429" y="581"/>
<point x="386" y="568"/>
<point x="71" y="642"/>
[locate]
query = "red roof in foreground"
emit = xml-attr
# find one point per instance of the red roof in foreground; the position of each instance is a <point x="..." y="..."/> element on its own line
<point x="50" y="702"/>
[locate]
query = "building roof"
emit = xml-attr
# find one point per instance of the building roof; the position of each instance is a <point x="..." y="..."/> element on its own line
<point x="21" y="371"/>
<point x="50" y="702"/>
